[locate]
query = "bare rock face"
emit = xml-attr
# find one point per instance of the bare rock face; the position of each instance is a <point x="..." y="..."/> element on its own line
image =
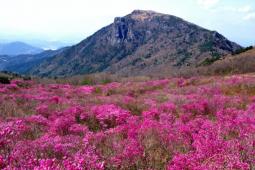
<point x="141" y="15"/>
<point x="139" y="43"/>
<point x="120" y="29"/>
<point x="123" y="26"/>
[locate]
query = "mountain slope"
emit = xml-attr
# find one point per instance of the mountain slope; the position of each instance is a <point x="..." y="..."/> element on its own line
<point x="18" y="48"/>
<point x="141" y="42"/>
<point x="236" y="64"/>
<point x="23" y="63"/>
<point x="3" y="60"/>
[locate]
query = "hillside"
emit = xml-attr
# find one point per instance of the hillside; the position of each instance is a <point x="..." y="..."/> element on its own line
<point x="3" y="60"/>
<point x="23" y="63"/>
<point x="241" y="63"/>
<point x="136" y="44"/>
<point x="18" y="48"/>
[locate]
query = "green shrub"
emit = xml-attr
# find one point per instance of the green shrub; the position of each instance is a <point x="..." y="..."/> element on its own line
<point x="207" y="46"/>
<point x="87" y="81"/>
<point x="98" y="90"/>
<point x="4" y="80"/>
<point x="27" y="78"/>
<point x="106" y="81"/>
<point x="209" y="61"/>
<point x="242" y="50"/>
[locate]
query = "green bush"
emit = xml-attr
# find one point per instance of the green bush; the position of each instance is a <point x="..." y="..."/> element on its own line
<point x="4" y="80"/>
<point x="209" y="61"/>
<point x="106" y="81"/>
<point x="87" y="81"/>
<point x="207" y="46"/>
<point x="242" y="50"/>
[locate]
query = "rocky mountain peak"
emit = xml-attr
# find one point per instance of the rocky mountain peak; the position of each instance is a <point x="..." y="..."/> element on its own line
<point x="123" y="26"/>
<point x="141" y="42"/>
<point x="142" y="15"/>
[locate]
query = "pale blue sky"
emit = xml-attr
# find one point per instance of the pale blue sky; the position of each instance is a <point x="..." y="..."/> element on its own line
<point x="74" y="20"/>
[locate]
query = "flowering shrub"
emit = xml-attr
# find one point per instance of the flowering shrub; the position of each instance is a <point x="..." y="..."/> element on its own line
<point x="110" y="115"/>
<point x="86" y="89"/>
<point x="174" y="124"/>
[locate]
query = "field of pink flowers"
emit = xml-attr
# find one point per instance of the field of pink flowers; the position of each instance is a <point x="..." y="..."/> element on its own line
<point x="174" y="124"/>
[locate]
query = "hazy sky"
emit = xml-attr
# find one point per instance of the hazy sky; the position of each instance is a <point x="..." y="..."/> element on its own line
<point x="74" y="20"/>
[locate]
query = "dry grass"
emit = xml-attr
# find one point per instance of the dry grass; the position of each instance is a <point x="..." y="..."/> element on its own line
<point x="248" y="90"/>
<point x="237" y="64"/>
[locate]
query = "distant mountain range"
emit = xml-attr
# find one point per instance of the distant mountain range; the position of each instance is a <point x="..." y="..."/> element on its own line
<point x="24" y="63"/>
<point x="18" y="48"/>
<point x="142" y="42"/>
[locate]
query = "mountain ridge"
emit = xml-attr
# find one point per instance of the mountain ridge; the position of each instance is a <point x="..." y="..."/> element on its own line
<point x="21" y="64"/>
<point x="138" y="43"/>
<point x="18" y="48"/>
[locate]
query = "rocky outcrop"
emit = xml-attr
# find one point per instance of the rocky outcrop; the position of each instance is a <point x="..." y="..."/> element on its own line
<point x="120" y="29"/>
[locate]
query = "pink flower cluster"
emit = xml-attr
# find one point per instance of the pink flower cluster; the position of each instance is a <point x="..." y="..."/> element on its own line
<point x="200" y="123"/>
<point x="110" y="115"/>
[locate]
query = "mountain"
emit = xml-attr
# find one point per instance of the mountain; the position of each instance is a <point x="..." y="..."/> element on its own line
<point x="3" y="60"/>
<point x="49" y="44"/>
<point x="23" y="63"/>
<point x="140" y="43"/>
<point x="18" y="48"/>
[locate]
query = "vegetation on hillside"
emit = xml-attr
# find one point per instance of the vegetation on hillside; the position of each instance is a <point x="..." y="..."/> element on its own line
<point x="243" y="50"/>
<point x="174" y="123"/>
